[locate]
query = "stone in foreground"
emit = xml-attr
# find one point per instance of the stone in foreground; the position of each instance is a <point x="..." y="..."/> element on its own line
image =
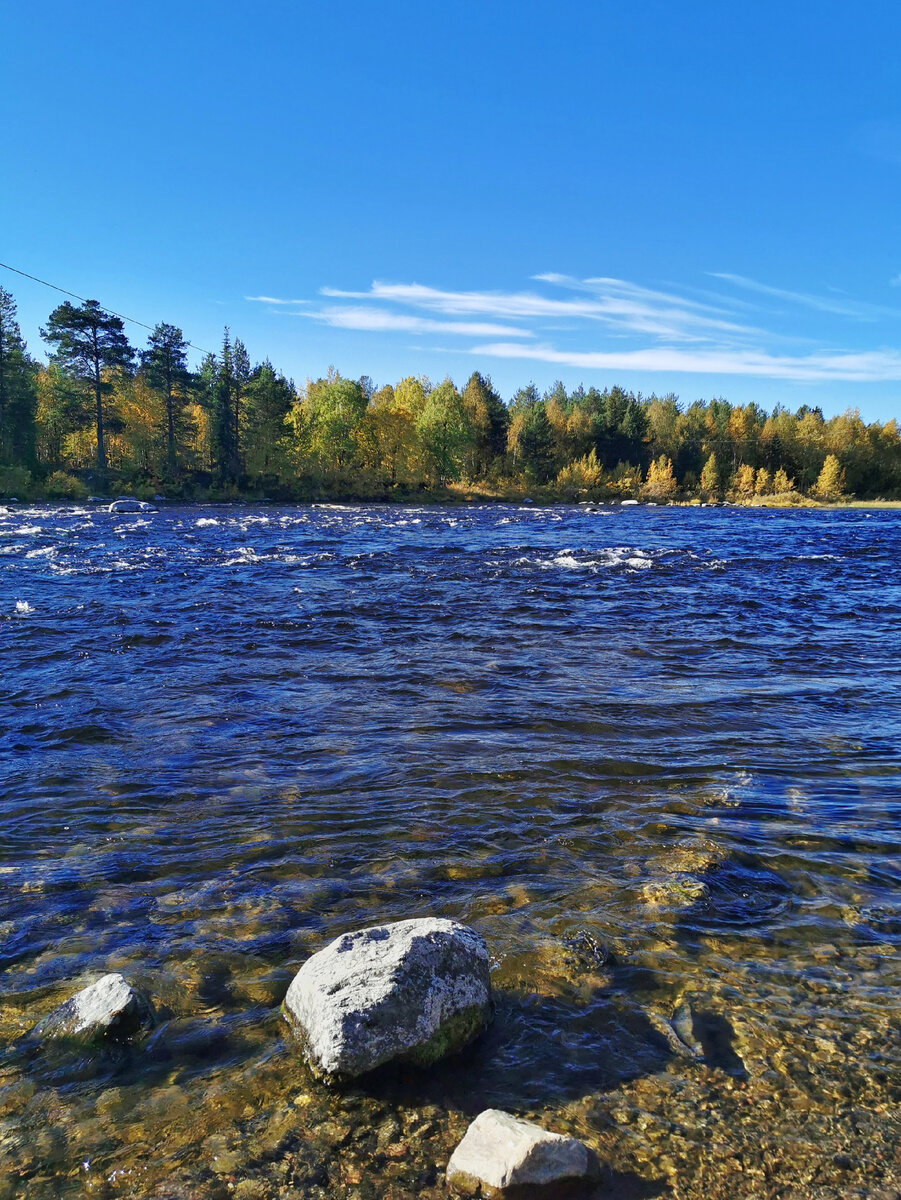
<point x="109" y="1009"/>
<point x="413" y="991"/>
<point x="500" y="1153"/>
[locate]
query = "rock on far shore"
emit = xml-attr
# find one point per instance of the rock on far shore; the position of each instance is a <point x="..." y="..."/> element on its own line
<point x="128" y="504"/>
<point x="500" y="1153"/>
<point x="413" y="990"/>
<point x="110" y="1008"/>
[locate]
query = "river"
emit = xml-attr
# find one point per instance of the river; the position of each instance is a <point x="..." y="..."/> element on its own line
<point x="651" y="754"/>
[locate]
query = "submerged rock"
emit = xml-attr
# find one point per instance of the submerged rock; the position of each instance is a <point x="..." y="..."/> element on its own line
<point x="110" y="1008"/>
<point x="414" y="990"/>
<point x="676" y="891"/>
<point x="500" y="1152"/>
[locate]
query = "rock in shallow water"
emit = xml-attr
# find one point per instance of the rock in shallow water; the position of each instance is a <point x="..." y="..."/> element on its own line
<point x="128" y="504"/>
<point x="501" y="1153"/>
<point x="109" y="1008"/>
<point x="413" y="990"/>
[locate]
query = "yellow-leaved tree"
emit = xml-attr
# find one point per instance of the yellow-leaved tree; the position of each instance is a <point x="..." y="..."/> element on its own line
<point x="830" y="484"/>
<point x="763" y="482"/>
<point x="743" y="480"/>
<point x="661" y="482"/>
<point x="583" y="475"/>
<point x="782" y="483"/>
<point x="710" y="477"/>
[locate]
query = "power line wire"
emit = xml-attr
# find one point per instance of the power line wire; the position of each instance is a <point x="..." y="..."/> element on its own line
<point x="75" y="296"/>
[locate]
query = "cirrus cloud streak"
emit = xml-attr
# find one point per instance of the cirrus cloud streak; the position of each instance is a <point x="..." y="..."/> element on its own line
<point x="603" y="323"/>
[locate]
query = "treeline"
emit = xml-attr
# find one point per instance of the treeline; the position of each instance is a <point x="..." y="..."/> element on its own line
<point x="103" y="413"/>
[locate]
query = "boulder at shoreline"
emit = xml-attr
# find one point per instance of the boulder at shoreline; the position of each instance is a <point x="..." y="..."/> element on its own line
<point x="108" y="1009"/>
<point x="413" y="990"/>
<point x="500" y="1154"/>
<point x="128" y="504"/>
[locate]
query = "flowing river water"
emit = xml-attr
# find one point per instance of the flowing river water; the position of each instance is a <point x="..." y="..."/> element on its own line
<point x="651" y="754"/>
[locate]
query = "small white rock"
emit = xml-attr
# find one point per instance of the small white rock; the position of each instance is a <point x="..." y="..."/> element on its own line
<point x="500" y="1152"/>
<point x="110" y="1007"/>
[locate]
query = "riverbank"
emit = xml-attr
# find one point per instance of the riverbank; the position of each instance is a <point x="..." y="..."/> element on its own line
<point x="75" y="490"/>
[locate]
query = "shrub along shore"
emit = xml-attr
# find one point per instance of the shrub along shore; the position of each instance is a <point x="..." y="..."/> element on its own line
<point x="103" y="417"/>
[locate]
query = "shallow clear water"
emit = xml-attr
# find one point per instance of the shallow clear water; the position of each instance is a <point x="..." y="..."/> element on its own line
<point x="652" y="755"/>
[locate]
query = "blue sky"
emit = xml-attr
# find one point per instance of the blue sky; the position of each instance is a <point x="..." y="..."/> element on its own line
<point x="700" y="198"/>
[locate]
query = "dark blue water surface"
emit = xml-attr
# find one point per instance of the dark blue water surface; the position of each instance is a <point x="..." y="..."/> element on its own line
<point x="652" y="754"/>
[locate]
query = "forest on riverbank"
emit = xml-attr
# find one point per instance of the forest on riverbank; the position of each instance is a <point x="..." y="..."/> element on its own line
<point x="104" y="415"/>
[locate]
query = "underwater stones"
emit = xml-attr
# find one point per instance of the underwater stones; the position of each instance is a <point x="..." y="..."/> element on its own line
<point x="676" y="891"/>
<point x="500" y="1152"/>
<point x="413" y="990"/>
<point x="108" y="1009"/>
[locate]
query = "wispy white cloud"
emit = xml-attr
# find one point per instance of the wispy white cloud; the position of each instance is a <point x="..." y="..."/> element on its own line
<point x="611" y="302"/>
<point x="602" y="323"/>
<point x="839" y="305"/>
<point x="870" y="366"/>
<point x="273" y="300"/>
<point x="378" y="320"/>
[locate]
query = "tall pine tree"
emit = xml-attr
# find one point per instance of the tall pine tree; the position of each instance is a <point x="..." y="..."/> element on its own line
<point x="89" y="343"/>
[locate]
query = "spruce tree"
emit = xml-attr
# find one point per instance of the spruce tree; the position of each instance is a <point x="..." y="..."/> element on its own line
<point x="165" y="363"/>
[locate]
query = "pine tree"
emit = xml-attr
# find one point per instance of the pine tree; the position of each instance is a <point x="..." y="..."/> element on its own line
<point x="90" y="343"/>
<point x="18" y="395"/>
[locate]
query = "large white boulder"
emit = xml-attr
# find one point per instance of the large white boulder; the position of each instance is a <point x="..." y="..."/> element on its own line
<point x="413" y="990"/>
<point x="109" y="1008"/>
<point x="500" y="1152"/>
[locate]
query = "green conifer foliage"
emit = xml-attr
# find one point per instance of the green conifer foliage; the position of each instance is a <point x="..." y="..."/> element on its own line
<point x="90" y="343"/>
<point x="18" y="394"/>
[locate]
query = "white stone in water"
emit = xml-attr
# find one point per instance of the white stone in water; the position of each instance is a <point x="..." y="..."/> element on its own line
<point x="501" y="1152"/>
<point x="108" y="1008"/>
<point x="413" y="990"/>
<point x="128" y="504"/>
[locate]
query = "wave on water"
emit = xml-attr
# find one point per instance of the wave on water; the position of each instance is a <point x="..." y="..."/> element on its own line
<point x="630" y="558"/>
